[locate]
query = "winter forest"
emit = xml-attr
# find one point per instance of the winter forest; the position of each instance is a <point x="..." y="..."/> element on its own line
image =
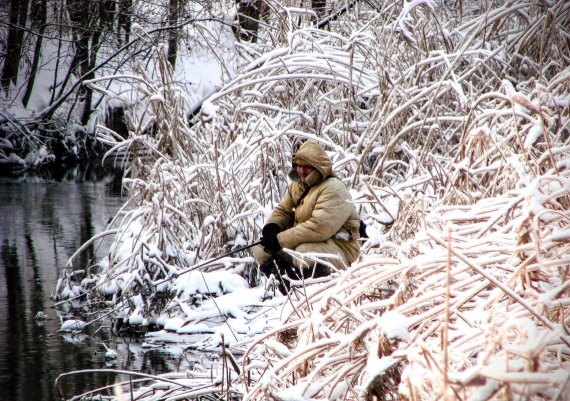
<point x="448" y="120"/>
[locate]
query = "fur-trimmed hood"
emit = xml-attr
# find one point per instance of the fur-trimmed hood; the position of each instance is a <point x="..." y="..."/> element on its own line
<point x="311" y="154"/>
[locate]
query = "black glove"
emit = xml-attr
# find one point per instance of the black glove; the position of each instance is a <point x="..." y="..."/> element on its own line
<point x="269" y="240"/>
<point x="270" y="230"/>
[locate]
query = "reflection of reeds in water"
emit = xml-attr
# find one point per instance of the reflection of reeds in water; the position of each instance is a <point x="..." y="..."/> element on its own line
<point x="452" y="126"/>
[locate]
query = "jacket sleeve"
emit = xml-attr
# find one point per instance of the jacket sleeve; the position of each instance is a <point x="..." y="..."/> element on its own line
<point x="333" y="206"/>
<point x="283" y="214"/>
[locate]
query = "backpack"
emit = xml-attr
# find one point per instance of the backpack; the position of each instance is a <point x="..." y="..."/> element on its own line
<point x="362" y="229"/>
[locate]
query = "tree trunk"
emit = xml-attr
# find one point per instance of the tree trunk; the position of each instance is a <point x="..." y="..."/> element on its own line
<point x="124" y="20"/>
<point x="248" y="19"/>
<point x="39" y="16"/>
<point x="86" y="19"/>
<point x="14" y="43"/>
<point x="320" y="7"/>
<point x="88" y="91"/>
<point x="80" y="14"/>
<point x="173" y="33"/>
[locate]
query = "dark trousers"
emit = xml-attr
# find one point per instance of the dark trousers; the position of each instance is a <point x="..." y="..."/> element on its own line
<point x="282" y="268"/>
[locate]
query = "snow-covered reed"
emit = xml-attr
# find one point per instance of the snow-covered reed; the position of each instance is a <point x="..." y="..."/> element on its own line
<point x="475" y="305"/>
<point x="451" y="126"/>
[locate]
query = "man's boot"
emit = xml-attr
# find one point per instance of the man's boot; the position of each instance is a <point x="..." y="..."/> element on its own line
<point x="268" y="268"/>
<point x="287" y="272"/>
<point x="281" y="270"/>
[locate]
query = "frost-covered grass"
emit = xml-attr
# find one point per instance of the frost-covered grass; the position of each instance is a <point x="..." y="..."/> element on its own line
<point x="450" y="126"/>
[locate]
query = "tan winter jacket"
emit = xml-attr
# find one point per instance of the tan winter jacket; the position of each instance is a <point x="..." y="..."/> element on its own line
<point x="325" y="212"/>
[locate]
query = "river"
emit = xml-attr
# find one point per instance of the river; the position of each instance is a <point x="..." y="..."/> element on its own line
<point x="42" y="223"/>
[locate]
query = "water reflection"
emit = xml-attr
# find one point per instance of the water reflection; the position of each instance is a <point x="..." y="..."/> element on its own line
<point x="42" y="223"/>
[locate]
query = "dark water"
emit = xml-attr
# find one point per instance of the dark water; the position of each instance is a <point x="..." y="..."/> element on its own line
<point x="42" y="223"/>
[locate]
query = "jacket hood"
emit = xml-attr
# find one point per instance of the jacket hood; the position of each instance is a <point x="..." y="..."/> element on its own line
<point x="311" y="154"/>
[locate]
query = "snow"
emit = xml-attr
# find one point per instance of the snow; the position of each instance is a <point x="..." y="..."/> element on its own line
<point x="198" y="328"/>
<point x="72" y="291"/>
<point x="395" y="325"/>
<point x="302" y="391"/>
<point x="73" y="325"/>
<point x="278" y="347"/>
<point x="156" y="98"/>
<point x="215" y="283"/>
<point x="377" y="367"/>
<point x="111" y="354"/>
<point x="534" y="134"/>
<point x="482" y="393"/>
<point x="208" y="111"/>
<point x="174" y="324"/>
<point x="562" y="235"/>
<point x="504" y="212"/>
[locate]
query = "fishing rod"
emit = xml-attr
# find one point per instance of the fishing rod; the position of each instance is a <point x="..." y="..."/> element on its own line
<point x="206" y="263"/>
<point x="170" y="277"/>
<point x="174" y="275"/>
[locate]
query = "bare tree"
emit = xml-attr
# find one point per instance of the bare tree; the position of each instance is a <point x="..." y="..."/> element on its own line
<point x="124" y="20"/>
<point x="89" y="21"/>
<point x="320" y="7"/>
<point x="15" y="42"/>
<point x="249" y="12"/>
<point x="39" y="16"/>
<point x="173" y="15"/>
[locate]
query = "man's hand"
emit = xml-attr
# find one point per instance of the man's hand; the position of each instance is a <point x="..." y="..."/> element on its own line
<point x="269" y="240"/>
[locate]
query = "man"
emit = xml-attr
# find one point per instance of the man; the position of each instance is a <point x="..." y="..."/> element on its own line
<point x="316" y="215"/>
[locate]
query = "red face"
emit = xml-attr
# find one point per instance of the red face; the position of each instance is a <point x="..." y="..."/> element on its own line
<point x="304" y="171"/>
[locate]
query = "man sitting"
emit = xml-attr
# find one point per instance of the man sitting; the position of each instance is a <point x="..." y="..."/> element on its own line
<point x="316" y="215"/>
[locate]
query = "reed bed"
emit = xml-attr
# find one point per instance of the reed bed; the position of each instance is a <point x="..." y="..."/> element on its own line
<point x="480" y="311"/>
<point x="450" y="125"/>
